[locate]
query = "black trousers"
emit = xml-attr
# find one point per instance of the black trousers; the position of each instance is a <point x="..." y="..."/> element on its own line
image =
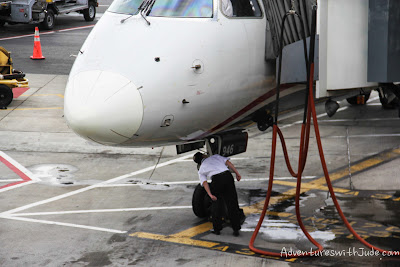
<point x="223" y="187"/>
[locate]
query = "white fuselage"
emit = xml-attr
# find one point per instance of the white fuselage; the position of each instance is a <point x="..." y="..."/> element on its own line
<point x="176" y="80"/>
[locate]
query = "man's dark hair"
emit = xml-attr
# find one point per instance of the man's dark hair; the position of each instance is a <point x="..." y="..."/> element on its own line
<point x="198" y="157"/>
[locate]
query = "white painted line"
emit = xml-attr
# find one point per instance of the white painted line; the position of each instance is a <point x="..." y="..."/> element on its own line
<point x="150" y="184"/>
<point x="19" y="166"/>
<point x="99" y="211"/>
<point x="16" y="186"/>
<point x="26" y="176"/>
<point x="364" y="135"/>
<point x="361" y="120"/>
<point x="277" y="178"/>
<point x="323" y="115"/>
<point x="197" y="181"/>
<point x="64" y="224"/>
<point x="10" y="180"/>
<point x="72" y="193"/>
<point x="374" y="104"/>
<point x="232" y="158"/>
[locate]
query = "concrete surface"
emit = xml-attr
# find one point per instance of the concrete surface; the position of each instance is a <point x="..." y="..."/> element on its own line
<point x="90" y="205"/>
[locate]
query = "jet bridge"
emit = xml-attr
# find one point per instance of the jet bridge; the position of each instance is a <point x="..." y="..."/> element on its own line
<point x="357" y="46"/>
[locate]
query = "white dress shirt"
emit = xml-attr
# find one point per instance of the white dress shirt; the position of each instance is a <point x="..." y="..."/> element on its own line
<point x="212" y="165"/>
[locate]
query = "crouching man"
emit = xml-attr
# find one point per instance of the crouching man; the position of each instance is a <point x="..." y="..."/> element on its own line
<point x="222" y="188"/>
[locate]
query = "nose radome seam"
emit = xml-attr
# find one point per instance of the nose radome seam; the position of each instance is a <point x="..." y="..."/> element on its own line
<point x="122" y="88"/>
<point x="93" y="87"/>
<point x="119" y="134"/>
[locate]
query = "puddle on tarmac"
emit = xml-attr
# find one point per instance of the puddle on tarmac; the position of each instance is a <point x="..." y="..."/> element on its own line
<point x="378" y="219"/>
<point x="151" y="184"/>
<point x="54" y="174"/>
<point x="283" y="231"/>
<point x="280" y="230"/>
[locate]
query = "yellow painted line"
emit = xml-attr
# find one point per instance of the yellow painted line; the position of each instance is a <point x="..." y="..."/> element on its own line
<point x="59" y="95"/>
<point x="381" y="196"/>
<point x="191" y="232"/>
<point x="356" y="168"/>
<point x="186" y="236"/>
<point x="318" y="187"/>
<point x="173" y="239"/>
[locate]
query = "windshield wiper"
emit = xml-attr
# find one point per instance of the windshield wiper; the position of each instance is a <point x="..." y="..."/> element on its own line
<point x="145" y="9"/>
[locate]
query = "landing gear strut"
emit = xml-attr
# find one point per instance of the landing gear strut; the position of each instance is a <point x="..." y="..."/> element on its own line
<point x="360" y="99"/>
<point x="263" y="119"/>
<point x="387" y="97"/>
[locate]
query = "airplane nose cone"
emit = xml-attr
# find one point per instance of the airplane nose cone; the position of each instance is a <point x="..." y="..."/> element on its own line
<point x="103" y="106"/>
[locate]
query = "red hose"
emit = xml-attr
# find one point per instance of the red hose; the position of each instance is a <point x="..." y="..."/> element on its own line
<point x="304" y="142"/>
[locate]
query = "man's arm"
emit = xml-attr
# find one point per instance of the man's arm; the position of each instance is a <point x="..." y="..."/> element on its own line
<point x="232" y="167"/>
<point x="207" y="188"/>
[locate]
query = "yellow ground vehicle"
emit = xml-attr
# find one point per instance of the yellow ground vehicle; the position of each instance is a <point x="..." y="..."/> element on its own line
<point x="9" y="78"/>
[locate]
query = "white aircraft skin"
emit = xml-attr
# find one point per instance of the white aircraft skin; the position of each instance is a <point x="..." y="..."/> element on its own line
<point x="130" y="76"/>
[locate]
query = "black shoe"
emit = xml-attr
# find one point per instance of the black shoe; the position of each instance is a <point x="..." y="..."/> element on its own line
<point x="236" y="233"/>
<point x="216" y="232"/>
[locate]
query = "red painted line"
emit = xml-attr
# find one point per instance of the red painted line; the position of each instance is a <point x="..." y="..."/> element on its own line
<point x="253" y="104"/>
<point x="24" y="177"/>
<point x="75" y="28"/>
<point x="12" y="184"/>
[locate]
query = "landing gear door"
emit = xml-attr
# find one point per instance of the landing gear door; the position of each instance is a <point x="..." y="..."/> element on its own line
<point x="228" y="144"/>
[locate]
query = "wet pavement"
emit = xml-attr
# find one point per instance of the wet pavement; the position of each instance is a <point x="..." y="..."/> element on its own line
<point x="75" y="203"/>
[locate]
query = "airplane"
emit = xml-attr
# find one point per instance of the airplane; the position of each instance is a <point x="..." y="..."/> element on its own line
<point x="172" y="77"/>
<point x="179" y="72"/>
<point x="174" y="72"/>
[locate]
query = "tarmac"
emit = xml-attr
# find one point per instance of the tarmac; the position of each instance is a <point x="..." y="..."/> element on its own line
<point x="68" y="202"/>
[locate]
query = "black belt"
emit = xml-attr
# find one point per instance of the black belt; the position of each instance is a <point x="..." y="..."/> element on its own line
<point x="219" y="174"/>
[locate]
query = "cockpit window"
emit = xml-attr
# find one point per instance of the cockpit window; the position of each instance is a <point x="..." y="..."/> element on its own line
<point x="125" y="6"/>
<point x="183" y="8"/>
<point x="166" y="8"/>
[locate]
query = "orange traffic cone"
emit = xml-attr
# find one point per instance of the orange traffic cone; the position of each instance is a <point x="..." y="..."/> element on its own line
<point x="37" y="48"/>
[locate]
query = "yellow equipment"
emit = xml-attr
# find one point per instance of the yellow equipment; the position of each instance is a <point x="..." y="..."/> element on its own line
<point x="9" y="78"/>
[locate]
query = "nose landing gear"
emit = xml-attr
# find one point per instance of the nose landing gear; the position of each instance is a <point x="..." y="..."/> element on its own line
<point x="201" y="204"/>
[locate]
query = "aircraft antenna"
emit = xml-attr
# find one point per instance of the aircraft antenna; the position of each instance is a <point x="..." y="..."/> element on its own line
<point x="158" y="161"/>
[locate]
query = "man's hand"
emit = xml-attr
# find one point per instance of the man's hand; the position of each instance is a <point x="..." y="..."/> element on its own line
<point x="207" y="188"/>
<point x="232" y="167"/>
